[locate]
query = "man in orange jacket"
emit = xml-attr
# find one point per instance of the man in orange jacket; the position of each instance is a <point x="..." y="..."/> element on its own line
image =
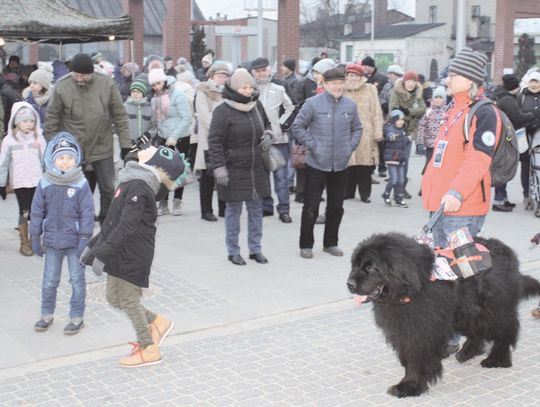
<point x="458" y="175"/>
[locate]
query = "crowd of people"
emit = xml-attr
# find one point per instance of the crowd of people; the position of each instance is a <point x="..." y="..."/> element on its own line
<point x="335" y="127"/>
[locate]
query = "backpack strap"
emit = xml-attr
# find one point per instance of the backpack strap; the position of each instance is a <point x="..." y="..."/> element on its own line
<point x="470" y="114"/>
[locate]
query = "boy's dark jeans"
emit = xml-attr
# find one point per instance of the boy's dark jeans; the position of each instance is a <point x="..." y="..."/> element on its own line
<point x="396" y="180"/>
<point x="316" y="181"/>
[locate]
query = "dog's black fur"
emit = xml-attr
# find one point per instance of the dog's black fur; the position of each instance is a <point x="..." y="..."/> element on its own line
<point x="418" y="316"/>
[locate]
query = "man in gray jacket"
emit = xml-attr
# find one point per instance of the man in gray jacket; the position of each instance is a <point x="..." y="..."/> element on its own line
<point x="329" y="126"/>
<point x="273" y="97"/>
<point x="87" y="105"/>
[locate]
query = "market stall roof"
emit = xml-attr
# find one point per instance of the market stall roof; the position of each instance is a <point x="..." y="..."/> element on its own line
<point x="53" y="21"/>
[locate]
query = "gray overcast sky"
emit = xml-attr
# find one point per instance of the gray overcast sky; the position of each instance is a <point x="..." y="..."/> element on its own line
<point x="235" y="8"/>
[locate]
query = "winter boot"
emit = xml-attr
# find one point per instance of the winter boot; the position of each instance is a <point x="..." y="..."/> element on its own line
<point x="162" y="208"/>
<point x="141" y="357"/>
<point x="160" y="328"/>
<point x="399" y="201"/>
<point x="26" y="247"/>
<point x="177" y="207"/>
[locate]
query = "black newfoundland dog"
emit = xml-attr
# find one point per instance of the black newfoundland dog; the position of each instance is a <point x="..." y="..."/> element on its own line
<point x="418" y="316"/>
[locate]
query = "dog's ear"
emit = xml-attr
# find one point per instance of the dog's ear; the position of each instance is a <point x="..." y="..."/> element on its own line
<point x="411" y="265"/>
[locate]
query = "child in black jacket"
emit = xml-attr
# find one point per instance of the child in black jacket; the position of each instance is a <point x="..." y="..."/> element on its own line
<point x="125" y="247"/>
<point x="395" y="156"/>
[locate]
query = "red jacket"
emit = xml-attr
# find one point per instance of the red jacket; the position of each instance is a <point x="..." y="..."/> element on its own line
<point x="460" y="167"/>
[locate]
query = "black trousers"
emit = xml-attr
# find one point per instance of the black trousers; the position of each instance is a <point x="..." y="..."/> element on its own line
<point x="183" y="147"/>
<point x="206" y="192"/>
<point x="24" y="199"/>
<point x="382" y="164"/>
<point x="524" y="158"/>
<point x="359" y="176"/>
<point x="316" y="181"/>
<point x="429" y="154"/>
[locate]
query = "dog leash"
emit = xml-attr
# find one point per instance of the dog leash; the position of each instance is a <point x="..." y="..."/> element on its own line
<point x="428" y="227"/>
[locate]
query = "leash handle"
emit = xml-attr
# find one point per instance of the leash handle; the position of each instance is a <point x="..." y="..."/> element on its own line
<point x="433" y="220"/>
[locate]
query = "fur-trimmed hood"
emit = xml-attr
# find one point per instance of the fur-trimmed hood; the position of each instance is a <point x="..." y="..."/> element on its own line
<point x="399" y="87"/>
<point x="134" y="170"/>
<point x="210" y="90"/>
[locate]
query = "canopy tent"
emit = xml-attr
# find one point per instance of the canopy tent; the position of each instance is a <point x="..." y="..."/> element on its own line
<point x="55" y="22"/>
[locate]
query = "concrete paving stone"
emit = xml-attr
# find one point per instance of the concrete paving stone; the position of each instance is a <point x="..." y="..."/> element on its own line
<point x="93" y="394"/>
<point x="59" y="392"/>
<point x="277" y="396"/>
<point x="48" y="403"/>
<point x="158" y="398"/>
<point x="249" y="393"/>
<point x="484" y="400"/>
<point x="309" y="387"/>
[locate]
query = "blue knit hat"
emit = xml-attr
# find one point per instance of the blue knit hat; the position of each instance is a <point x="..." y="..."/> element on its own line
<point x="395" y="115"/>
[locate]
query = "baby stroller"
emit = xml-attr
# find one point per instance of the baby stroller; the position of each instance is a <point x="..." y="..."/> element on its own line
<point x="533" y="201"/>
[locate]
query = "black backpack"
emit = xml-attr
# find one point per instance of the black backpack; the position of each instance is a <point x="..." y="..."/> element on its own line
<point x="504" y="162"/>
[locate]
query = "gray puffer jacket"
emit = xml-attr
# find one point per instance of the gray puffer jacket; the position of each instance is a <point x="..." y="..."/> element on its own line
<point x="330" y="128"/>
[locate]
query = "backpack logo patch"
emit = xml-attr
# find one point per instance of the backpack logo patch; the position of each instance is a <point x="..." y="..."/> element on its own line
<point x="134" y="199"/>
<point x="70" y="192"/>
<point x="488" y="138"/>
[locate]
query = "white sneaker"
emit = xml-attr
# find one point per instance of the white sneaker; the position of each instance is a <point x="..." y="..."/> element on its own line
<point x="177" y="207"/>
<point x="162" y="208"/>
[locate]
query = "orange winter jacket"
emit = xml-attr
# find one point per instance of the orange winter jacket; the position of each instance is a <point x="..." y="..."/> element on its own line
<point x="463" y="168"/>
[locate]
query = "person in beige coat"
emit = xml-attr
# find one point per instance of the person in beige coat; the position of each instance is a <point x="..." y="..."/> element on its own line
<point x="366" y="156"/>
<point x="208" y="97"/>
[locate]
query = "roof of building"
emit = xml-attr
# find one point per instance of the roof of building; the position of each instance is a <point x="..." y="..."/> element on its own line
<point x="54" y="21"/>
<point x="154" y="12"/>
<point x="392" y="31"/>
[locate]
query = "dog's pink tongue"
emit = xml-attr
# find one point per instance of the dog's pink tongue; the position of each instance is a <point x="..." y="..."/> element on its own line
<point x="359" y="299"/>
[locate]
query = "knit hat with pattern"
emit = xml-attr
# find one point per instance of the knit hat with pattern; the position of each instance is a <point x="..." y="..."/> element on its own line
<point x="469" y="64"/>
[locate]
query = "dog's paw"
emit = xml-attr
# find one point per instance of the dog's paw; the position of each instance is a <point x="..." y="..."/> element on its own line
<point x="492" y="362"/>
<point x="406" y="389"/>
<point x="469" y="351"/>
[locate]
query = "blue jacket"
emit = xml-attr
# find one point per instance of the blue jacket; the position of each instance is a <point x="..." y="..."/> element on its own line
<point x="330" y="129"/>
<point x="63" y="206"/>
<point x="396" y="144"/>
<point x="177" y="123"/>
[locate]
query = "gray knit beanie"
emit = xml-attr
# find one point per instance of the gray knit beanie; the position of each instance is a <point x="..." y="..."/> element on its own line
<point x="469" y="64"/>
<point x="324" y="65"/>
<point x="42" y="76"/>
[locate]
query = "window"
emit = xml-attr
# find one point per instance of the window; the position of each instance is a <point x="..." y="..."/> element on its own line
<point x="475" y="11"/>
<point x="432" y="14"/>
<point x="349" y="53"/>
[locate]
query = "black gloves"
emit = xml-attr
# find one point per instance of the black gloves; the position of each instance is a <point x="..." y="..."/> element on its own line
<point x="124" y="151"/>
<point x="3" y="193"/>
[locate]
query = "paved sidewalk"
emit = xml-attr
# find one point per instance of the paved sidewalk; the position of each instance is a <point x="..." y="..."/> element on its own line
<point x="327" y="356"/>
<point x="218" y="309"/>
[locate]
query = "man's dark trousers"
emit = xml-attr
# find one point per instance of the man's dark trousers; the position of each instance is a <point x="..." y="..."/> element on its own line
<point x="316" y="181"/>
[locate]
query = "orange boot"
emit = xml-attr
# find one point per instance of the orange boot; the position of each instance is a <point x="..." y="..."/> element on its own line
<point x="160" y="328"/>
<point x="141" y="357"/>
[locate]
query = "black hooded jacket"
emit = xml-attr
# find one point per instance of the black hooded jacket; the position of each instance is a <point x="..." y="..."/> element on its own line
<point x="9" y="97"/>
<point x="509" y="105"/>
<point x="127" y="239"/>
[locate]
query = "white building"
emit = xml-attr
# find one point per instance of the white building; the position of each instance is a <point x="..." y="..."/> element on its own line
<point x="412" y="46"/>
